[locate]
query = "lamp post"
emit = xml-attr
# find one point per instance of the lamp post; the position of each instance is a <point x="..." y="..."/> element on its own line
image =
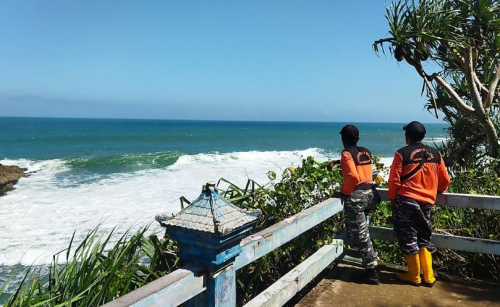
<point x="209" y="232"/>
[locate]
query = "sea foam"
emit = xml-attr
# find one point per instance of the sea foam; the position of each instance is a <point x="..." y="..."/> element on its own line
<point x="39" y="217"/>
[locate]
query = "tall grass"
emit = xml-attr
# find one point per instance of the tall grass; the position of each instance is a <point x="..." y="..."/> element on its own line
<point x="96" y="271"/>
<point x="481" y="176"/>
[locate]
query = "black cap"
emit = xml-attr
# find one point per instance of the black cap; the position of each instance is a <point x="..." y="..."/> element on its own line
<point x="415" y="130"/>
<point x="350" y="133"/>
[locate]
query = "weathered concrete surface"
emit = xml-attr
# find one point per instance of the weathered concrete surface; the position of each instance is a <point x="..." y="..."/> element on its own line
<point x="466" y="244"/>
<point x="9" y="175"/>
<point x="287" y="286"/>
<point x="267" y="240"/>
<point x="340" y="287"/>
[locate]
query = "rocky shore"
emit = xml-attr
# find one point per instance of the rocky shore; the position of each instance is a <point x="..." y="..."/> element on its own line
<point x="9" y="175"/>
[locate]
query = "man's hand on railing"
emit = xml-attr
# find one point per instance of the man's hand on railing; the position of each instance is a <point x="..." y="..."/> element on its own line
<point x="338" y="195"/>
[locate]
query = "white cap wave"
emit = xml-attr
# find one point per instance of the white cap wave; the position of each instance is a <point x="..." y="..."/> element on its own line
<point x="38" y="217"/>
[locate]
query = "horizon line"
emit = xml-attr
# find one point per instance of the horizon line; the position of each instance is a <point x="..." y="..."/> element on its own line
<point x="214" y="120"/>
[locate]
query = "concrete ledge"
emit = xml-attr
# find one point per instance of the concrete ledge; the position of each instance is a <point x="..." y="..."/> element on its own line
<point x="171" y="290"/>
<point x="287" y="286"/>
<point x="267" y="240"/>
<point x="461" y="200"/>
<point x="341" y="287"/>
<point x="466" y="244"/>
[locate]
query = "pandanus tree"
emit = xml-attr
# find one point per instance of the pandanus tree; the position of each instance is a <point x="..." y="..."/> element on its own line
<point x="454" y="46"/>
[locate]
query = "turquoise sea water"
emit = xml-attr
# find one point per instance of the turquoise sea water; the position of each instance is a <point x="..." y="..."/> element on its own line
<point x="86" y="172"/>
<point x="105" y="139"/>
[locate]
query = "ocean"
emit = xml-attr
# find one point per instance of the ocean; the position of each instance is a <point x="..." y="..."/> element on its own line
<point x="112" y="172"/>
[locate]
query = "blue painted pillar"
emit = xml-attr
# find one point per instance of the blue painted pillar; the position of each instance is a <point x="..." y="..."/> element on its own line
<point x="221" y="272"/>
<point x="221" y="288"/>
<point x="209" y="232"/>
<point x="221" y="283"/>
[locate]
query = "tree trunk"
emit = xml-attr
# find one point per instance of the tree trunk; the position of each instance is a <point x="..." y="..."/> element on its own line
<point x="493" y="146"/>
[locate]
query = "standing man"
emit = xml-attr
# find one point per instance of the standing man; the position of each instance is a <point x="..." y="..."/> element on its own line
<point x="417" y="174"/>
<point x="356" y="194"/>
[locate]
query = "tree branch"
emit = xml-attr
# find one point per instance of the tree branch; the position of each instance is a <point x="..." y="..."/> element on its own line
<point x="477" y="101"/>
<point x="454" y="95"/>
<point x="493" y="146"/>
<point x="431" y="93"/>
<point x="484" y="89"/>
<point x="457" y="54"/>
<point x="417" y="65"/>
<point x="459" y="153"/>
<point x="491" y="92"/>
<point x="420" y="70"/>
<point x="461" y="59"/>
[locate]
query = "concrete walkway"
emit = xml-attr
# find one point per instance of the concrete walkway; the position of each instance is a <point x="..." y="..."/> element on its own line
<point x="340" y="287"/>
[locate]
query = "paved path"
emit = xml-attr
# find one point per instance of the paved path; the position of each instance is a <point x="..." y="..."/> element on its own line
<point x="339" y="287"/>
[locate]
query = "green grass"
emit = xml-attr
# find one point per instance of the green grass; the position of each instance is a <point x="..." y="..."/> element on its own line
<point x="95" y="271"/>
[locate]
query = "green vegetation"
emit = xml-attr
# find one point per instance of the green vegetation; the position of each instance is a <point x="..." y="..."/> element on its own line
<point x="298" y="189"/>
<point x="96" y="271"/>
<point x="460" y="39"/>
<point x="477" y="177"/>
<point x="101" y="270"/>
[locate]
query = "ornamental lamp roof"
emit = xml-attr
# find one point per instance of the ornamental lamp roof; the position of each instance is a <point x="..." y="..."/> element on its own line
<point x="210" y="213"/>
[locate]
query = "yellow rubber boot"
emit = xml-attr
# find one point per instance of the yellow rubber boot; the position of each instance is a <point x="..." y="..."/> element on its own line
<point x="413" y="274"/>
<point x="426" y="264"/>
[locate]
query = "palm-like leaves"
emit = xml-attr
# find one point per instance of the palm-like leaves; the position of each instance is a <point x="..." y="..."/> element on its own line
<point x="461" y="38"/>
<point x="96" y="271"/>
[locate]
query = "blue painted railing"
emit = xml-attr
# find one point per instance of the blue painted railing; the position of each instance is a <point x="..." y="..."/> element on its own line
<point x="189" y="283"/>
<point x="467" y="244"/>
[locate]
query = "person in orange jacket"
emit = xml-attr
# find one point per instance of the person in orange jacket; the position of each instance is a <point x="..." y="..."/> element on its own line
<point x="417" y="173"/>
<point x="357" y="196"/>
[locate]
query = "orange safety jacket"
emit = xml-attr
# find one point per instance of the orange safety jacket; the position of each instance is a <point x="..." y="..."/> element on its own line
<point x="356" y="165"/>
<point x="426" y="182"/>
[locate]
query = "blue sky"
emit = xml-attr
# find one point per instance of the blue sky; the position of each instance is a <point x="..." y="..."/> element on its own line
<point x="226" y="60"/>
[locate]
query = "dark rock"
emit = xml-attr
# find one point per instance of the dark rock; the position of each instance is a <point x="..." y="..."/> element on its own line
<point x="9" y="175"/>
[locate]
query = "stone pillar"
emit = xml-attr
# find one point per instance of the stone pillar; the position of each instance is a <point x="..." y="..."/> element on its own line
<point x="209" y="232"/>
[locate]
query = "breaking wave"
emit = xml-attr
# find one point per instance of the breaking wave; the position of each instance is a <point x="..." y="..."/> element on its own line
<point x="40" y="215"/>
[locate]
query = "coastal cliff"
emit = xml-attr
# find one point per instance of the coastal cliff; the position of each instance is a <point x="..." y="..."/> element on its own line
<point x="9" y="175"/>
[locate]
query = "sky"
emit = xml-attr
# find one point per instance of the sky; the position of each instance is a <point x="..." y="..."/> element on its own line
<point x="286" y="60"/>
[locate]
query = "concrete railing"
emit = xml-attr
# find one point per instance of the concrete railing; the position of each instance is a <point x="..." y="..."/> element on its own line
<point x="467" y="244"/>
<point x="188" y="284"/>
